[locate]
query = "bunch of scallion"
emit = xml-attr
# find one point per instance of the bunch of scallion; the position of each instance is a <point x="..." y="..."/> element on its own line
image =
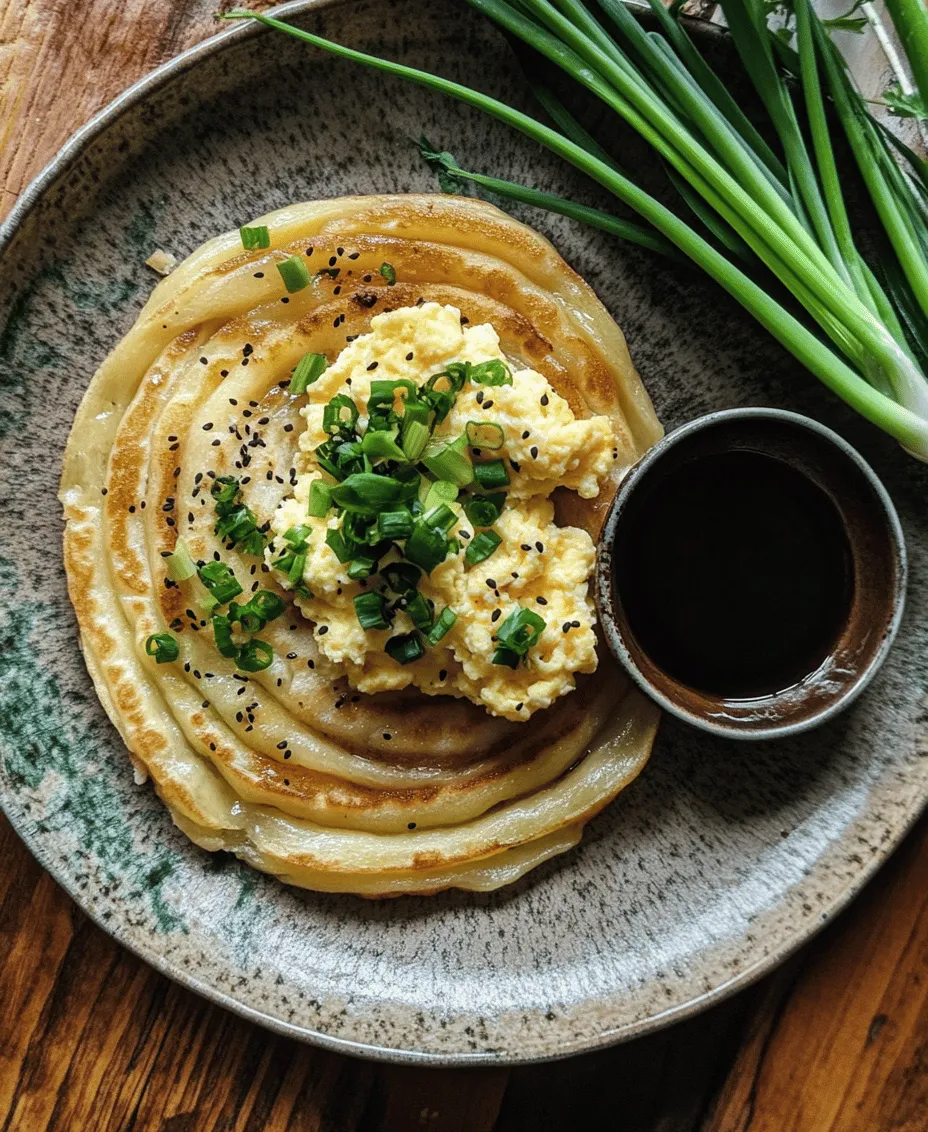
<point x="756" y="208"/>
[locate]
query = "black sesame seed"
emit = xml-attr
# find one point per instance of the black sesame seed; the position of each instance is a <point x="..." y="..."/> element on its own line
<point x="541" y="600"/>
<point x="443" y="675"/>
<point x="525" y="546"/>
<point x="544" y="398"/>
<point x="387" y="735"/>
<point x="282" y="745"/>
<point x="566" y="627"/>
<point x="323" y="629"/>
<point x="409" y="356"/>
<point x="224" y="373"/>
<point x="291" y="656"/>
<point x="534" y="452"/>
<point x="515" y="467"/>
<point x="540" y="547"/>
<point x="207" y="426"/>
<point x="248" y="349"/>
<point x="479" y="397"/>
<point x="204" y="361"/>
<point x="216" y="442"/>
<point x="259" y="275"/>
<point x="497" y="613"/>
<point x="525" y="435"/>
<point x="519" y="706"/>
<point x="575" y="624"/>
<point x="372" y="366"/>
<point x="492" y="583"/>
<point x="488" y="404"/>
<point x="333" y="260"/>
<point x="412" y="825"/>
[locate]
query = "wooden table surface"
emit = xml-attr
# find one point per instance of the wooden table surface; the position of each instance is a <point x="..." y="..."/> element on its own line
<point x="92" y="1039"/>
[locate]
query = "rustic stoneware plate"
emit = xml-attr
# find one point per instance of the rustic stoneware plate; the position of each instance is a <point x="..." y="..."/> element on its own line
<point x="714" y="865"/>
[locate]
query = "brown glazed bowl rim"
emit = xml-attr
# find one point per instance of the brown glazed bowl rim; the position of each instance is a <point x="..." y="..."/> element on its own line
<point x="616" y="633"/>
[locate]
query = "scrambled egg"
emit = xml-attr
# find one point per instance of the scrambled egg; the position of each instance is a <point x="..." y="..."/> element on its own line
<point x="538" y="566"/>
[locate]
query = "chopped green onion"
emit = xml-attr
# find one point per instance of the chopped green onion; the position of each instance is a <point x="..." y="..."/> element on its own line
<point x="255" y="656"/>
<point x="220" y="581"/>
<point x="224" y="489"/>
<point x="419" y="612"/>
<point x="381" y="445"/>
<point x="266" y="604"/>
<point x="442" y="626"/>
<point x="222" y="632"/>
<point x="388" y="271"/>
<point x="320" y="499"/>
<point x="485" y="434"/>
<point x="361" y="567"/>
<point x="426" y="546"/>
<point x="415" y="439"/>
<point x="295" y="275"/>
<point x="181" y="565"/>
<point x="257" y="237"/>
<point x="506" y="656"/>
<point x="454" y="547"/>
<point x="235" y="522"/>
<point x="481" y="546"/>
<point x="395" y="524"/>
<point x="494" y="372"/>
<point x="336" y="541"/>
<point x="163" y="647"/>
<point x="491" y="474"/>
<point x="370" y="611"/>
<point x="307" y="372"/>
<point x="484" y="510"/>
<point x="205" y="601"/>
<point x="406" y="648"/>
<point x="441" y="491"/>
<point x="297" y="536"/>
<point x="401" y="577"/>
<point x="297" y="566"/>
<point x="519" y="632"/>
<point x="333" y="418"/>
<point x="441" y="516"/>
<point x="450" y="462"/>
<point x="367" y="493"/>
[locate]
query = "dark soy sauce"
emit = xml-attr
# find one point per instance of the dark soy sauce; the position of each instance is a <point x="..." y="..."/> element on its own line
<point x="735" y="574"/>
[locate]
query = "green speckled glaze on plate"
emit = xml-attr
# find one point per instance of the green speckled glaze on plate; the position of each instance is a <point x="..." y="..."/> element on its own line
<point x="712" y="867"/>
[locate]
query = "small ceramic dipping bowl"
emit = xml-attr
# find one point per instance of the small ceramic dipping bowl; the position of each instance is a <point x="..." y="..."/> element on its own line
<point x="843" y="603"/>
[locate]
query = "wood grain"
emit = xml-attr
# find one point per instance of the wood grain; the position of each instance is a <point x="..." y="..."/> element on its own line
<point x="92" y="1039"/>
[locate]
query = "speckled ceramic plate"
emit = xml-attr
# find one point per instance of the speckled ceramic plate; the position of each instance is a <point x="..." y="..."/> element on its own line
<point x="714" y="865"/>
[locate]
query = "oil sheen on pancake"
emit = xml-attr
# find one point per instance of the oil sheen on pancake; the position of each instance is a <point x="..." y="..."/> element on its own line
<point x="289" y="766"/>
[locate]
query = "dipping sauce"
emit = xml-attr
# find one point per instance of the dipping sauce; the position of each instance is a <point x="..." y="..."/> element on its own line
<point x="735" y="574"/>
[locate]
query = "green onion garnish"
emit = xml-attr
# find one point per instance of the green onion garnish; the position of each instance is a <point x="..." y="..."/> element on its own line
<point x="297" y="566"/>
<point x="481" y="546"/>
<point x="485" y="434"/>
<point x="297" y="536"/>
<point x="381" y="445"/>
<point x="401" y="577"/>
<point x="484" y="510"/>
<point x="442" y="626"/>
<point x="367" y="493"/>
<point x="506" y="656"/>
<point x="336" y="541"/>
<point x="370" y="611"/>
<point x="419" y="612"/>
<point x="491" y="474"/>
<point x="265" y="604"/>
<point x="450" y="461"/>
<point x="255" y="655"/>
<point x="441" y="491"/>
<point x="441" y="516"/>
<point x="494" y="372"/>
<point x="426" y="546"/>
<point x="334" y="417"/>
<point x="222" y="632"/>
<point x="257" y="237"/>
<point x="415" y="438"/>
<point x="517" y="634"/>
<point x="320" y="499"/>
<point x="163" y="647"/>
<point x="395" y="524"/>
<point x="361" y="567"/>
<point x="307" y="372"/>
<point x="181" y="565"/>
<point x="406" y="648"/>
<point x="388" y="271"/>
<point x="295" y="275"/>
<point x="235" y="522"/>
<point x="220" y="581"/>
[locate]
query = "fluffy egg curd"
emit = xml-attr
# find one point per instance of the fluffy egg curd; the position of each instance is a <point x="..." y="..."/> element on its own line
<point x="460" y="582"/>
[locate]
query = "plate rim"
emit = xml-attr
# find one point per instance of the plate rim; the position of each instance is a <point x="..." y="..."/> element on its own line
<point x="28" y="199"/>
